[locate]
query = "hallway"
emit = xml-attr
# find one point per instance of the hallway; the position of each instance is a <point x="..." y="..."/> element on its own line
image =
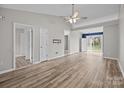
<point x="77" y="70"/>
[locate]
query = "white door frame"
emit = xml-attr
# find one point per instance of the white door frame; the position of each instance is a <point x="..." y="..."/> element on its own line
<point x="14" y="41"/>
<point x="102" y="43"/>
<point x="46" y="39"/>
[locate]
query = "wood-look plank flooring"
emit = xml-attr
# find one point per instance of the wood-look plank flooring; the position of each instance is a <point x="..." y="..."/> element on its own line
<point x="21" y="62"/>
<point x="74" y="71"/>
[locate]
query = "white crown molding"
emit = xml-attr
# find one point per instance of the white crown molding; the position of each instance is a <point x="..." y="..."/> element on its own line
<point x="97" y="21"/>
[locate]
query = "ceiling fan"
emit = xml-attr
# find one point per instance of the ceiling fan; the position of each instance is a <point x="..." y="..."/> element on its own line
<point x="74" y="17"/>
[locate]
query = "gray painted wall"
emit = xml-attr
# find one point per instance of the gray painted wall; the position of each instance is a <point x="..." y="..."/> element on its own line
<point x="111" y="41"/>
<point x="55" y="26"/>
<point x="74" y="41"/>
<point x="121" y="22"/>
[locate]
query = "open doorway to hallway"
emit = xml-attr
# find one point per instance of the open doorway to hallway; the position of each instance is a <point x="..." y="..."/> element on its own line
<point x="66" y="42"/>
<point x="30" y="45"/>
<point x="23" y="48"/>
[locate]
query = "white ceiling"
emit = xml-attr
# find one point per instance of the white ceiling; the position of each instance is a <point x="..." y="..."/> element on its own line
<point x="91" y="30"/>
<point x="90" y="10"/>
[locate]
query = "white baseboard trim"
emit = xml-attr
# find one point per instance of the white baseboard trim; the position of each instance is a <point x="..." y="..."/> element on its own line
<point x="73" y="53"/>
<point x="118" y="64"/>
<point x="56" y="57"/>
<point x="39" y="62"/>
<point x="62" y="56"/>
<point x="36" y="62"/>
<point x="5" y="71"/>
<point x="121" y="68"/>
<point x="111" y="58"/>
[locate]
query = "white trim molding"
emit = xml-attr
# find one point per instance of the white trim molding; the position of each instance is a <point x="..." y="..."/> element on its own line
<point x="56" y="57"/>
<point x="37" y="62"/>
<point x="14" y="41"/>
<point x="118" y="64"/>
<point x="121" y="68"/>
<point x="5" y="71"/>
<point x="101" y="20"/>
<point x="111" y="58"/>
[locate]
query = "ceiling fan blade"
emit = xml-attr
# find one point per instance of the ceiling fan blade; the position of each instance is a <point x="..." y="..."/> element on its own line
<point x="76" y="14"/>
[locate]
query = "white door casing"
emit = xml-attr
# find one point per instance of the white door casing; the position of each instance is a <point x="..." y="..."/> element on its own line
<point x="30" y="30"/>
<point x="43" y="44"/>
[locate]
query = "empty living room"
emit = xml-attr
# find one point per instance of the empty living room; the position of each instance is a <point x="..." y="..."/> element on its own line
<point x="62" y="45"/>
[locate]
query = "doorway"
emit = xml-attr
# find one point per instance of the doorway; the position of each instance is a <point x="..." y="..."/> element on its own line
<point x="66" y="45"/>
<point x="66" y="42"/>
<point x="92" y="43"/>
<point x="43" y="45"/>
<point x="23" y="45"/>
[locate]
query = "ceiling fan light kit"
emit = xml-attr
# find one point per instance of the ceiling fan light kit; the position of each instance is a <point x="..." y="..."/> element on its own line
<point x="72" y="21"/>
<point x="75" y="16"/>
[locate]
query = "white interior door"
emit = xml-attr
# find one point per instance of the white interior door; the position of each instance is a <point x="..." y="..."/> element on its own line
<point x="43" y="44"/>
